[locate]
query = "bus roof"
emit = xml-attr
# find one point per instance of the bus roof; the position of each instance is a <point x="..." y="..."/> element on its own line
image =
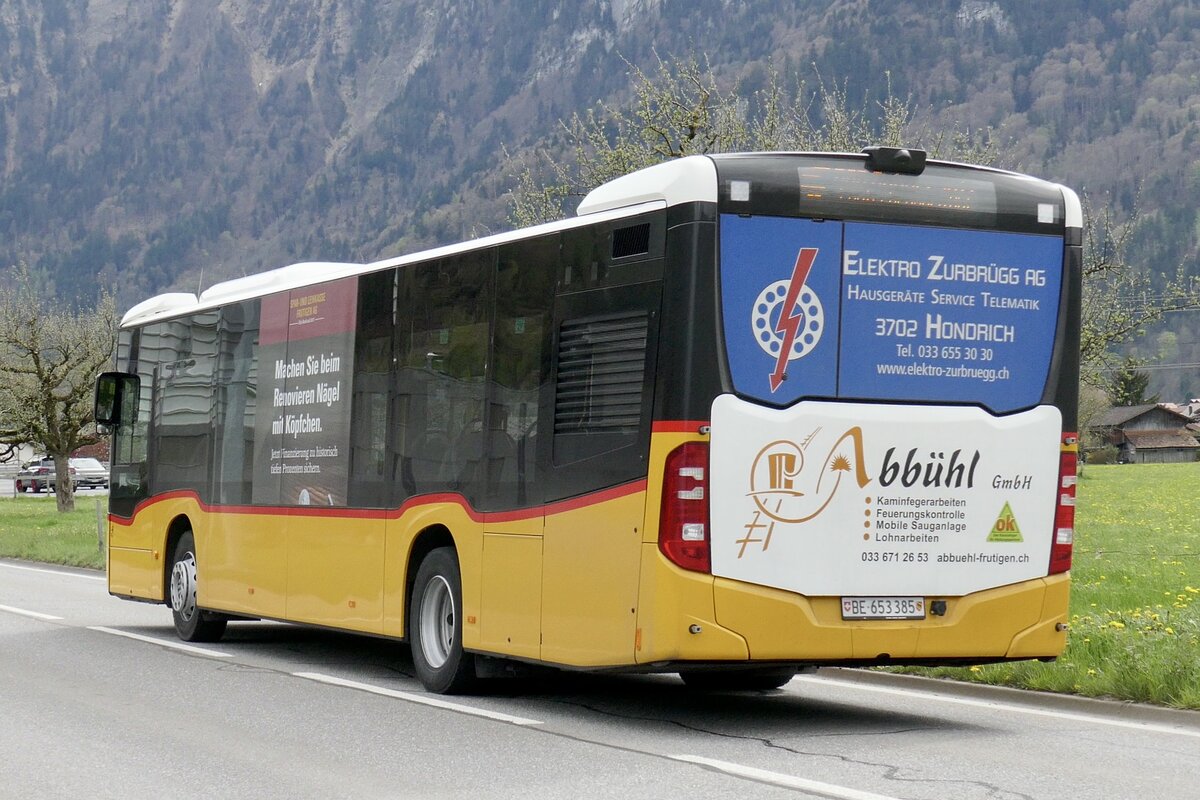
<point x="176" y="304"/>
<point x="694" y="179"/>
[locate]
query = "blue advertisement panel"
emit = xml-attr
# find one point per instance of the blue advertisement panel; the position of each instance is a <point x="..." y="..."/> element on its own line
<point x="948" y="315"/>
<point x="888" y="312"/>
<point x="779" y="289"/>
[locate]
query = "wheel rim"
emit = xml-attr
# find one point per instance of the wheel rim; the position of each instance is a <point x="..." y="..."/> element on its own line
<point x="183" y="587"/>
<point x="437" y="622"/>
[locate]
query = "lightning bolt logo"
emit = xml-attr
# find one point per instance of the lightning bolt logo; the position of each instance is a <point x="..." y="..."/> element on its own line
<point x="790" y="318"/>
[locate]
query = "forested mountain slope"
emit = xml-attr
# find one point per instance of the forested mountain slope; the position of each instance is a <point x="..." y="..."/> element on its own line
<point x="161" y="144"/>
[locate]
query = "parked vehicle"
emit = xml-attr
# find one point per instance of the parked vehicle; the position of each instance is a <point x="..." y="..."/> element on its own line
<point x="89" y="473"/>
<point x="39" y="475"/>
<point x="36" y="476"/>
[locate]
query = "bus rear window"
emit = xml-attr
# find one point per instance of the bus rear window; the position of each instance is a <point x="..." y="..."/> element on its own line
<point x="842" y="188"/>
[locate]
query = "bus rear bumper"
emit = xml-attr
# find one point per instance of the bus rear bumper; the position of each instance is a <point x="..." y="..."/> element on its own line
<point x="1022" y="620"/>
<point x="692" y="617"/>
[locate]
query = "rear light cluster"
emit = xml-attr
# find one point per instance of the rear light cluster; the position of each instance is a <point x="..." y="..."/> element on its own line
<point x="1064" y="512"/>
<point x="683" y="525"/>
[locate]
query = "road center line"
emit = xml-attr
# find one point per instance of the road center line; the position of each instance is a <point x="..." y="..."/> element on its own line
<point x="187" y="648"/>
<point x="60" y="572"/>
<point x="781" y="779"/>
<point x="417" y="698"/>
<point x="1001" y="706"/>
<point x="34" y="614"/>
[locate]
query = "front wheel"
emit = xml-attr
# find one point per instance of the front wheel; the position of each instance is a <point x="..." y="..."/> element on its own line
<point x="192" y="624"/>
<point x="435" y="625"/>
<point x="738" y="679"/>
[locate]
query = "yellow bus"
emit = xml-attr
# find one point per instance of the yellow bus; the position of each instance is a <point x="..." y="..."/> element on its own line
<point x="742" y="415"/>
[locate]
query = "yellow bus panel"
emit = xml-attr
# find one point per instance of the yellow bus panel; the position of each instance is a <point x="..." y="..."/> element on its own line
<point x="242" y="564"/>
<point x="335" y="570"/>
<point x="590" y="580"/>
<point x="511" y="595"/>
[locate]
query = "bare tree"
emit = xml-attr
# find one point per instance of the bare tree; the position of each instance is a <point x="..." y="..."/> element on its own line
<point x="49" y="360"/>
<point x="1120" y="300"/>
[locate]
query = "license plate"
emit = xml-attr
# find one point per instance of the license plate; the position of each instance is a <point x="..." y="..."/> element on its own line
<point x="883" y="608"/>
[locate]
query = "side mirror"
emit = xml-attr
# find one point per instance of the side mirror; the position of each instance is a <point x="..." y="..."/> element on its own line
<point x="111" y="390"/>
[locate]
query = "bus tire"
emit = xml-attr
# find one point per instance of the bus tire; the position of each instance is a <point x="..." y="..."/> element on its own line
<point x="737" y="679"/>
<point x="192" y="624"/>
<point x="435" y="625"/>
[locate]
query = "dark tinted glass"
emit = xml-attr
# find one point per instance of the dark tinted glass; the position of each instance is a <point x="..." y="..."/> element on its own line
<point x="129" y="482"/>
<point x="181" y="427"/>
<point x="438" y="419"/>
<point x="235" y="402"/>
<point x="520" y="369"/>
<point x="841" y="187"/>
<point x="369" y="464"/>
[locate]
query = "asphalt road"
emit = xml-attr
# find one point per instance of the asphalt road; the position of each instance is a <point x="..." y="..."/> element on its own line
<point x="98" y="699"/>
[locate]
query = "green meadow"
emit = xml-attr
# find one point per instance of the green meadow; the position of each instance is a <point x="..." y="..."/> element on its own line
<point x="31" y="528"/>
<point x="1135" y="595"/>
<point x="1135" y="604"/>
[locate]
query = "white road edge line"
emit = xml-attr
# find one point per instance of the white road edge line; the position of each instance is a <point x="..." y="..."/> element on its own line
<point x="61" y="572"/>
<point x="780" y="779"/>
<point x="34" y="614"/>
<point x="187" y="648"/>
<point x="416" y="698"/>
<point x="997" y="705"/>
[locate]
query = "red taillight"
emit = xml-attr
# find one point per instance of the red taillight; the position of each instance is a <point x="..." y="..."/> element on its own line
<point x="1064" y="513"/>
<point x="683" y="525"/>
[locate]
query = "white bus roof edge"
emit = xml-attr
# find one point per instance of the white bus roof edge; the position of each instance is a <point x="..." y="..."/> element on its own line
<point x="682" y="180"/>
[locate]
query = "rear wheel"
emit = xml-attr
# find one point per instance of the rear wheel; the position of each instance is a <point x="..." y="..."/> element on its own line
<point x="738" y="679"/>
<point x="192" y="624"/>
<point x="435" y="625"/>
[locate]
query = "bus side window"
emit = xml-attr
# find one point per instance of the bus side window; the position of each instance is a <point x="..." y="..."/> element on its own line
<point x="233" y="431"/>
<point x="181" y="421"/>
<point x="605" y="335"/>
<point x="372" y="366"/>
<point x="128" y="483"/>
<point x="443" y="316"/>
<point x="520" y="367"/>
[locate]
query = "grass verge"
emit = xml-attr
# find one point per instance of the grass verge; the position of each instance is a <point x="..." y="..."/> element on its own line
<point x="1135" y="594"/>
<point x="31" y="528"/>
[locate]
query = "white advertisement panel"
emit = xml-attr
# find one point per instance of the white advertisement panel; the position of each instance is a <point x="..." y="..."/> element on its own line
<point x="856" y="499"/>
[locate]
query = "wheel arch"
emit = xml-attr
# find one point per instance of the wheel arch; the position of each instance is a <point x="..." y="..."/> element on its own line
<point x="425" y="542"/>
<point x="178" y="526"/>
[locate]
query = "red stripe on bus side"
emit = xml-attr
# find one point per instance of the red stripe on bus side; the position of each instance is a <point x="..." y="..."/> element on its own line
<point x="583" y="501"/>
<point x="679" y="425"/>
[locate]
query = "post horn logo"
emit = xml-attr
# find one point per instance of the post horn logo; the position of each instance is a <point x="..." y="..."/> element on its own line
<point x="788" y="318"/>
<point x="785" y="492"/>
